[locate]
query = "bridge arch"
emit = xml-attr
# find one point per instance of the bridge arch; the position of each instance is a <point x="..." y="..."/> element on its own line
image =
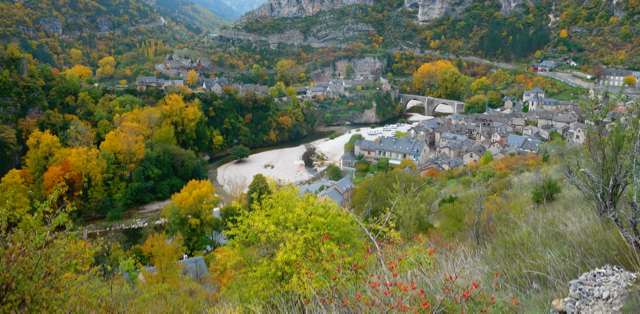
<point x="430" y="104"/>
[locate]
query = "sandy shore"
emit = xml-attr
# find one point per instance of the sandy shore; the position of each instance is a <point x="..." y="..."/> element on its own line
<point x="286" y="164"/>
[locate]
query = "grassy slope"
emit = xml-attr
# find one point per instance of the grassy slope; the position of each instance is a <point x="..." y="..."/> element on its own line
<point x="190" y="14"/>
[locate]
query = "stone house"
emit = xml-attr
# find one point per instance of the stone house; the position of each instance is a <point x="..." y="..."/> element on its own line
<point x="530" y="130"/>
<point x="530" y="93"/>
<point x="395" y="149"/>
<point x="340" y="192"/>
<point x="151" y="82"/>
<point x="313" y="92"/>
<point x="562" y="119"/>
<point x="215" y="85"/>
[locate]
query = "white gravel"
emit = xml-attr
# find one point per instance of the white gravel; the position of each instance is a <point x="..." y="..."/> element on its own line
<point x="287" y="162"/>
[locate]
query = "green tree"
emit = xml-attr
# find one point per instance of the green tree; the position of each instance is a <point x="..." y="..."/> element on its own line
<point x="547" y="191"/>
<point x="349" y="71"/>
<point x="190" y="214"/>
<point x="258" y="190"/>
<point x="351" y="144"/>
<point x="625" y="33"/>
<point x="476" y="104"/>
<point x="334" y="172"/>
<point x="487" y="157"/>
<point x="239" y="152"/>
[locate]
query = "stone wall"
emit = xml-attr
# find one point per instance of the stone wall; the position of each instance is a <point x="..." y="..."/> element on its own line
<point x="602" y="290"/>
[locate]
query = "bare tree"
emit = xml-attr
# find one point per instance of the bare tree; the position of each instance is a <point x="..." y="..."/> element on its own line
<point x="607" y="164"/>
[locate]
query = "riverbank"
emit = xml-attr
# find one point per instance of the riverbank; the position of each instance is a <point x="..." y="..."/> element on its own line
<point x="286" y="164"/>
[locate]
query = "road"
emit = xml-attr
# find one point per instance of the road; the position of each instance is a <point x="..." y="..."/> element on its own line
<point x="564" y="77"/>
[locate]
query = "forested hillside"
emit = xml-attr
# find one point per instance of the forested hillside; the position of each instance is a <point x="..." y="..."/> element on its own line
<point x="219" y="8"/>
<point x="538" y="29"/>
<point x="194" y="17"/>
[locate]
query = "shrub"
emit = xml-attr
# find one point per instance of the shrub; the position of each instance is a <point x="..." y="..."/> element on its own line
<point x="547" y="191"/>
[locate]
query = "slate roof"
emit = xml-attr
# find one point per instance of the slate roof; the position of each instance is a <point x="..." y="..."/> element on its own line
<point x="350" y="155"/>
<point x="433" y="123"/>
<point x="548" y="64"/>
<point x="533" y="91"/>
<point x="333" y="194"/>
<point x="453" y="137"/>
<point x="393" y="144"/>
<point x="208" y="83"/>
<point x="531" y="145"/>
<point x="514" y="141"/>
<point x="194" y="267"/>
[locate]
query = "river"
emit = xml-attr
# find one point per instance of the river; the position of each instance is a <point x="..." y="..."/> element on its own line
<point x="149" y="214"/>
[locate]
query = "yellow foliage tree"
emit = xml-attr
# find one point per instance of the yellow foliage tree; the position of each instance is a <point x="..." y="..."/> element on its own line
<point x="426" y="77"/>
<point x="629" y="80"/>
<point x="192" y="78"/>
<point x="82" y="71"/>
<point x="181" y="115"/>
<point x="75" y="56"/>
<point x="107" y="67"/>
<point x="126" y="145"/>
<point x="42" y="148"/>
<point x="563" y="33"/>
<point x="164" y="257"/>
<point x="14" y="197"/>
<point x="190" y="214"/>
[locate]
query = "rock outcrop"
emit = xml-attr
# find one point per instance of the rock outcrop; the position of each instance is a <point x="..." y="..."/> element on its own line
<point x="362" y="67"/>
<point x="299" y="8"/>
<point x="601" y="290"/>
<point x="52" y="25"/>
<point x="432" y="9"/>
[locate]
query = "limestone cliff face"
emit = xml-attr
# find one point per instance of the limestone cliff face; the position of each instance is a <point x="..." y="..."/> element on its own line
<point x="299" y="8"/>
<point x="432" y="9"/>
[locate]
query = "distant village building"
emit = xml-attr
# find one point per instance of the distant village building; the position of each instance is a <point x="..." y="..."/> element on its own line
<point x="393" y="148"/>
<point x="530" y="93"/>
<point x="613" y="77"/>
<point x="338" y="191"/>
<point x="151" y="82"/>
<point x="215" y="85"/>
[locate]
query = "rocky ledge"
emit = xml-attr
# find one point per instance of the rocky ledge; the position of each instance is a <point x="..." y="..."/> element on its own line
<point x="602" y="290"/>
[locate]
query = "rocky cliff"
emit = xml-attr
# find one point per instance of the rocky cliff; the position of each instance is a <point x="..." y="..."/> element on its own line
<point x="299" y="8"/>
<point x="432" y="9"/>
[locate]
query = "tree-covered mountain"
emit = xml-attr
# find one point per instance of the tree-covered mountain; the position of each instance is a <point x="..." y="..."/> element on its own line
<point x="219" y="8"/>
<point x="244" y="6"/>
<point x="194" y="17"/>
<point x="590" y="32"/>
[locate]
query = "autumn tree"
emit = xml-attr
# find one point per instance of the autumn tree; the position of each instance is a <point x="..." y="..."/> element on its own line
<point x="43" y="146"/>
<point x="183" y="116"/>
<point x="127" y="146"/>
<point x="192" y="78"/>
<point x="106" y="67"/>
<point x="190" y="214"/>
<point x="289" y="72"/>
<point x="292" y="230"/>
<point x="14" y="198"/>
<point x="164" y="255"/>
<point x="629" y="80"/>
<point x="563" y="33"/>
<point x="81" y="71"/>
<point x="43" y="263"/>
<point x="426" y="78"/>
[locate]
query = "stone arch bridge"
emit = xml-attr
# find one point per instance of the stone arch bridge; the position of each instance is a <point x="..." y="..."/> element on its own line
<point x="430" y="104"/>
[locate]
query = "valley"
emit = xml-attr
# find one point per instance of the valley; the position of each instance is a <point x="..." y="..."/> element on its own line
<point x="318" y="156"/>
